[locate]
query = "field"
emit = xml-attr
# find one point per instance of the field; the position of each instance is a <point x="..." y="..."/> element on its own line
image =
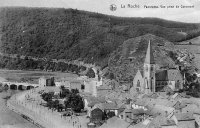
<point x="193" y="48"/>
<point x="31" y="76"/>
<point x="194" y="41"/>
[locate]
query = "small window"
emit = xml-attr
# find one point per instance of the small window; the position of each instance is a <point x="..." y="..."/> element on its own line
<point x="152" y="68"/>
<point x="82" y="87"/>
<point x="138" y="83"/>
<point x="146" y="68"/>
<point x="137" y="89"/>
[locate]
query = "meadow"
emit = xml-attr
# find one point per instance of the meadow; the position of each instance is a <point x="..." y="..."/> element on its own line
<point x="32" y="76"/>
<point x="193" y="48"/>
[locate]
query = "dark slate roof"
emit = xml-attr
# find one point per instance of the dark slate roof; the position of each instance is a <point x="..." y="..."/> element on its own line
<point x="115" y="122"/>
<point x="184" y="116"/>
<point x="149" y="55"/>
<point x="159" y="121"/>
<point x="172" y="74"/>
<point x="94" y="100"/>
<point x="168" y="75"/>
<point x="104" y="88"/>
<point x="161" y="75"/>
<point x="110" y="106"/>
<point x="134" y="111"/>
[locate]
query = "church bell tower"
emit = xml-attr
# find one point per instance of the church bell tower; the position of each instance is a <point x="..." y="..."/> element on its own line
<point x="149" y="70"/>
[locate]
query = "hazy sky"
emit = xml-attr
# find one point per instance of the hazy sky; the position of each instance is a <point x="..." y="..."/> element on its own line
<point x="102" y="6"/>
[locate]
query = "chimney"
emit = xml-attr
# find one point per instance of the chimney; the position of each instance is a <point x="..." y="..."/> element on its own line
<point x="166" y="113"/>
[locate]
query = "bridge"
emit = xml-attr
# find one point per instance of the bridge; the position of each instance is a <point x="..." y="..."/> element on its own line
<point x="19" y="86"/>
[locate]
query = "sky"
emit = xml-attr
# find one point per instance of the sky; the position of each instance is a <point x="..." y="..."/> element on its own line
<point x="191" y="15"/>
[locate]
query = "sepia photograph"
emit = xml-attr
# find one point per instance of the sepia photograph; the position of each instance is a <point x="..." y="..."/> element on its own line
<point x="99" y="63"/>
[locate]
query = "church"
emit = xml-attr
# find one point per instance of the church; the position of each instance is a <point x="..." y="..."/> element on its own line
<point x="153" y="80"/>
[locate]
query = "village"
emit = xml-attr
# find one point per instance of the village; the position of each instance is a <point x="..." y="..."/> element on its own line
<point x="154" y="99"/>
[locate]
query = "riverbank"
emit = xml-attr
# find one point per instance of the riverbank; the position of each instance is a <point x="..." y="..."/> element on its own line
<point x="10" y="119"/>
<point x="31" y="76"/>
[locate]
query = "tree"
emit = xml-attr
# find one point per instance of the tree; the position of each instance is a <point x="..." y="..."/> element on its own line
<point x="64" y="92"/>
<point x="56" y="104"/>
<point x="74" y="102"/>
<point x="110" y="114"/>
<point x="74" y="91"/>
<point x="111" y="76"/>
<point x="47" y="96"/>
<point x="90" y="73"/>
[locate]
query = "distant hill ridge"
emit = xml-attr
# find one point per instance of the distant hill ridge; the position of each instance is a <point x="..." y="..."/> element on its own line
<point x="79" y="35"/>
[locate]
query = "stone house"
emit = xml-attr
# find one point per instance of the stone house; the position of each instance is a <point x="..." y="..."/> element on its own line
<point x="46" y="81"/>
<point x="97" y="116"/>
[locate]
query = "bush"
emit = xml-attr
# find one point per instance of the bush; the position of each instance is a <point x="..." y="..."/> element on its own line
<point x="90" y="73"/>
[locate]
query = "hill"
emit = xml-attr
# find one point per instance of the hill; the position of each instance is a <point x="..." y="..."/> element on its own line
<point x="192" y="46"/>
<point x="79" y="35"/>
<point x="130" y="56"/>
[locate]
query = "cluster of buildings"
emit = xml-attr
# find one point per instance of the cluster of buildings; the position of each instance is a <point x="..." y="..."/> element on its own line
<point x="152" y="100"/>
<point x="152" y="110"/>
<point x="83" y="83"/>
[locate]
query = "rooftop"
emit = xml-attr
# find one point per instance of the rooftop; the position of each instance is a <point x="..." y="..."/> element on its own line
<point x="184" y="116"/>
<point x="115" y="122"/>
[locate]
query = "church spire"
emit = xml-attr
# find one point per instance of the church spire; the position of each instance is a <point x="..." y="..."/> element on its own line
<point x="149" y="55"/>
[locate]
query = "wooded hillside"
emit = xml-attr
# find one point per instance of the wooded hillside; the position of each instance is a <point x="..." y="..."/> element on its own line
<point x="79" y="35"/>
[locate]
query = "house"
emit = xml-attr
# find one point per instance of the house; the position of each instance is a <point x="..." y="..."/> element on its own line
<point x="176" y="96"/>
<point x="190" y="108"/>
<point x="113" y="95"/>
<point x="185" y="120"/>
<point x="197" y="122"/>
<point x="76" y="85"/>
<point x="151" y="95"/>
<point x="108" y="107"/>
<point x="133" y="115"/>
<point x="97" y="116"/>
<point x="90" y="101"/>
<point x="162" y="122"/>
<point x="115" y="122"/>
<point x="46" y="81"/>
<point x="103" y="90"/>
<point x="139" y="104"/>
<point x="178" y="106"/>
<point x="144" y="124"/>
<point x="64" y="83"/>
<point x="90" y="85"/>
<point x="161" y="110"/>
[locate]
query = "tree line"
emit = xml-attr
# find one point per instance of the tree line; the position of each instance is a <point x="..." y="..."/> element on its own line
<point x="30" y="64"/>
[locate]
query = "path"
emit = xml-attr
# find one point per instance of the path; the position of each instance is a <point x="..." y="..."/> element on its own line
<point x="10" y="119"/>
<point x="42" y="115"/>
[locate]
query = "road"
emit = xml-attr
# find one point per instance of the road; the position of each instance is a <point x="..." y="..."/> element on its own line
<point x="10" y="119"/>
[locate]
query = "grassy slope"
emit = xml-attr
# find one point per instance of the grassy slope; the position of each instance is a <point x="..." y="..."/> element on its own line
<point x="194" y="48"/>
<point x="135" y="48"/>
<point x="73" y="34"/>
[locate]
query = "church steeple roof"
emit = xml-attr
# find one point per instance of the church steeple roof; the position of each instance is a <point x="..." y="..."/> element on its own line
<point x="149" y="55"/>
